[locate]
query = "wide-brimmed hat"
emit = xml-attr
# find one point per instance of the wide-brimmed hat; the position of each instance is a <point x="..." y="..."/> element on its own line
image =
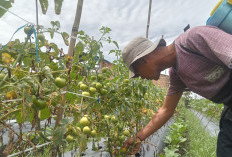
<point x="138" y="48"/>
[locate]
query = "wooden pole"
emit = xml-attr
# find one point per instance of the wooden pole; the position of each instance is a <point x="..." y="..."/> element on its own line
<point x="75" y="28"/>
<point x="60" y="110"/>
<point x="70" y="53"/>
<point x="148" y="19"/>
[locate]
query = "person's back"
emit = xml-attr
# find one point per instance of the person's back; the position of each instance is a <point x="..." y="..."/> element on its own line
<point x="203" y="62"/>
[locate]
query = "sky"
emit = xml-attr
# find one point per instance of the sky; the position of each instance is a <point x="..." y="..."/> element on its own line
<point x="126" y="18"/>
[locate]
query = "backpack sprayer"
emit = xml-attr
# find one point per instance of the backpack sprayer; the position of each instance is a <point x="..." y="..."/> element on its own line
<point x="221" y="16"/>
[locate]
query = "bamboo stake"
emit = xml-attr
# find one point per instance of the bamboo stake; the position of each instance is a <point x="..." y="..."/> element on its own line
<point x="148" y="19"/>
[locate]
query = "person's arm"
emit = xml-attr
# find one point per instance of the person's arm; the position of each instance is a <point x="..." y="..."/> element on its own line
<point x="157" y="121"/>
<point x="161" y="117"/>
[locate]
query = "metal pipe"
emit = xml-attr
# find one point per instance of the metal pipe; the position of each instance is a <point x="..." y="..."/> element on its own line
<point x="37" y="16"/>
<point x="148" y="19"/>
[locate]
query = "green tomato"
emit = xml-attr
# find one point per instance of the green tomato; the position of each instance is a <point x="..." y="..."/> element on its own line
<point x="2" y="76"/>
<point x="93" y="77"/>
<point x="38" y="103"/>
<point x="93" y="84"/>
<point x="98" y="85"/>
<point x="94" y="133"/>
<point x="86" y="115"/>
<point x="113" y="119"/>
<point x="126" y="81"/>
<point x="85" y="93"/>
<point x="84" y="121"/>
<point x="123" y="150"/>
<point x="41" y="36"/>
<point x="126" y="133"/>
<point x="69" y="129"/>
<point x="60" y="82"/>
<point x="78" y="129"/>
<point x="69" y="138"/>
<point x="79" y="83"/>
<point x="83" y="86"/>
<point x="28" y="29"/>
<point x="122" y="138"/>
<point x="93" y="90"/>
<point x="103" y="91"/>
<point x="75" y="132"/>
<point x="86" y="130"/>
<point x="76" y="67"/>
<point x="100" y="76"/>
<point x="105" y="69"/>
<point x="106" y="117"/>
<point x="41" y="104"/>
<point x="120" y="126"/>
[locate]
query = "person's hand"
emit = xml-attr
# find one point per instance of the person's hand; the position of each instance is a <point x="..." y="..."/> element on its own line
<point x="133" y="145"/>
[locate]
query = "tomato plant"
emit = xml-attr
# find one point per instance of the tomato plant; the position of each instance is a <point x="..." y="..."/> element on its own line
<point x="96" y="103"/>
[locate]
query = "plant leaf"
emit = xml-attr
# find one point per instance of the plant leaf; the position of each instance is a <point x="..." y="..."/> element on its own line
<point x="58" y="5"/>
<point x="65" y="37"/>
<point x="5" y="4"/>
<point x="45" y="113"/>
<point x="59" y="132"/>
<point x="44" y="6"/>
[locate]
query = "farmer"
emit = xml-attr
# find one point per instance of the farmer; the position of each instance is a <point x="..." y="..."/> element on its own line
<point x="199" y="59"/>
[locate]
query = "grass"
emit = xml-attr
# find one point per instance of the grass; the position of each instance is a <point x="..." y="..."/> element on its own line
<point x="201" y="144"/>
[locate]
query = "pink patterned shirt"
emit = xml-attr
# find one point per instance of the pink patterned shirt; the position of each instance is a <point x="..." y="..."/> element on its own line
<point x="207" y="73"/>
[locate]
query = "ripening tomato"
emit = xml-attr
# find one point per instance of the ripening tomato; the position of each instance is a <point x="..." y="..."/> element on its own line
<point x="11" y="95"/>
